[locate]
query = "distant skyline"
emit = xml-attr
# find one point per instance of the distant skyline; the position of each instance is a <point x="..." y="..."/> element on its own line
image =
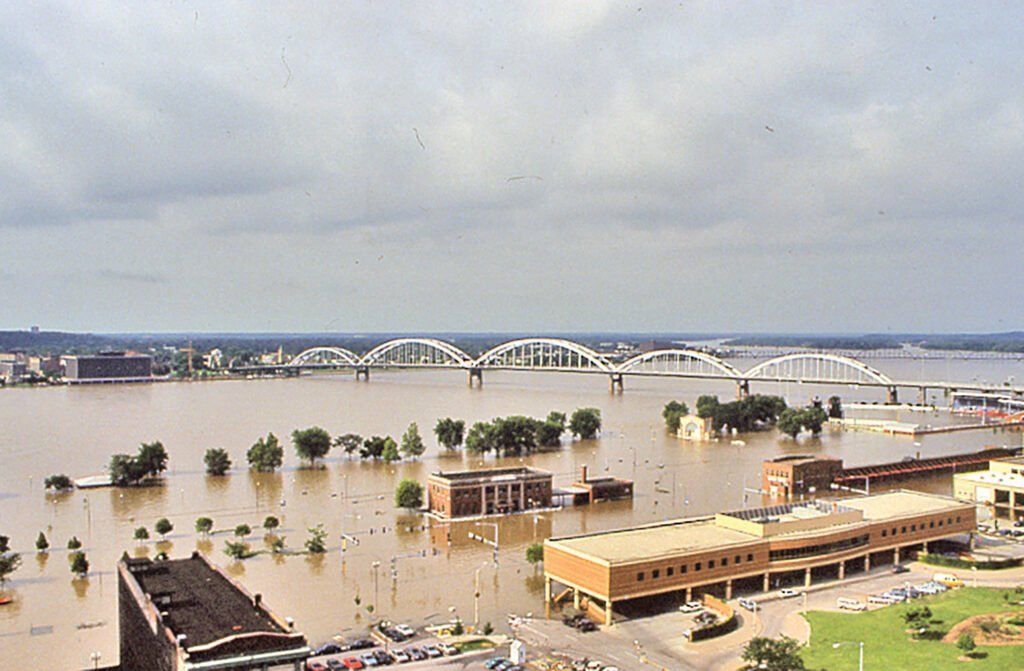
<point x="528" y="167"/>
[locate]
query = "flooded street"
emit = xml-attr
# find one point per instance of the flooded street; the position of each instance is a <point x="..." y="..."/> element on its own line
<point x="58" y="622"/>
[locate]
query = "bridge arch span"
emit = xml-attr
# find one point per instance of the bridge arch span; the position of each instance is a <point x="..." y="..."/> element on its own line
<point x="673" y="361"/>
<point x="324" y="356"/>
<point x="817" y="367"/>
<point x="544" y="354"/>
<point x="416" y="352"/>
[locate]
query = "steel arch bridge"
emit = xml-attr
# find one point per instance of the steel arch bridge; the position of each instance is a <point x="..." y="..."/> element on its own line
<point x="817" y="367"/>
<point x="561" y="355"/>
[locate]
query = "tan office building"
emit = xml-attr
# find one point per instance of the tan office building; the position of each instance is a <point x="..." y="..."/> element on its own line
<point x="746" y="548"/>
<point x="1000" y="488"/>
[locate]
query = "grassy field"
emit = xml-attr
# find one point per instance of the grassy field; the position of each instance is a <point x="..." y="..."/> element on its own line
<point x="887" y="645"/>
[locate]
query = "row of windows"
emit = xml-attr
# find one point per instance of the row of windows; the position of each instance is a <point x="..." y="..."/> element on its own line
<point x="822" y="549"/>
<point x="918" y="527"/>
<point x="697" y="566"/>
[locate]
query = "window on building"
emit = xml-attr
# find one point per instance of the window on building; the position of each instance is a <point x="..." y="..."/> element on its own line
<point x="670" y="571"/>
<point x="903" y="530"/>
<point x="958" y="519"/>
<point x="940" y="523"/>
<point x="696" y="566"/>
<point x="711" y="564"/>
<point x="725" y="561"/>
<point x="885" y="532"/>
<point x="737" y="559"/>
<point x="640" y="576"/>
<point x="682" y="569"/>
<point x="750" y="557"/>
<point x="655" y="574"/>
<point x="931" y="525"/>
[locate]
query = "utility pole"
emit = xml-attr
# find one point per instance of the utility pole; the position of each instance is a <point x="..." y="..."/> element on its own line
<point x="375" y="565"/>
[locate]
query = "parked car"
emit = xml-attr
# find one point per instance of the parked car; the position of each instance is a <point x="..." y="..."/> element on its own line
<point x="881" y="599"/>
<point x="327" y="649"/>
<point x="586" y="626"/>
<point x="846" y="603"/>
<point x="335" y="664"/>
<point x="418" y="655"/>
<point x="432" y="651"/>
<point x="352" y="663"/>
<point x="493" y="662"/>
<point x="448" y="649"/>
<point x="361" y="644"/>
<point x="900" y="568"/>
<point x="401" y="656"/>
<point x="315" y="666"/>
<point x="749" y="604"/>
<point x="948" y="579"/>
<point x="787" y="593"/>
<point x="691" y="607"/>
<point x="368" y="659"/>
<point x="405" y="630"/>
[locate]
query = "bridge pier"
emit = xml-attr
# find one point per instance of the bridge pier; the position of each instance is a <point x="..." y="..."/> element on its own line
<point x="742" y="389"/>
<point x="363" y="371"/>
<point x="922" y="396"/>
<point x="891" y="397"/>
<point x="615" y="383"/>
<point x="478" y="375"/>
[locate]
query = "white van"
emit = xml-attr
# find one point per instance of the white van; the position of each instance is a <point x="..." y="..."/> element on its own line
<point x="880" y="599"/>
<point x="847" y="603"/>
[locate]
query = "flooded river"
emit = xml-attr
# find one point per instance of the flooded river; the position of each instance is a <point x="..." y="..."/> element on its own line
<point x="57" y="622"/>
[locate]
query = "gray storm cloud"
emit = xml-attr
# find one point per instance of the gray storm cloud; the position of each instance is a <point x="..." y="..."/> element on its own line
<point x="404" y="166"/>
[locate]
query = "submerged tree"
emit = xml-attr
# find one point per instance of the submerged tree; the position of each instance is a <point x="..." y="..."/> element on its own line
<point x="585" y="423"/>
<point x="450" y="432"/>
<point x="409" y="494"/>
<point x="412" y="442"/>
<point x="311" y="444"/>
<point x="217" y="461"/>
<point x="266" y="455"/>
<point x="79" y="564"/>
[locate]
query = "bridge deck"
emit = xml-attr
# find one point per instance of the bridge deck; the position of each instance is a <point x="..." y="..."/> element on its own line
<point x="922" y="466"/>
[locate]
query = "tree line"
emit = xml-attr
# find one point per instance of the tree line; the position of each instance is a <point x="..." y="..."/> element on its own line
<point x="753" y="413"/>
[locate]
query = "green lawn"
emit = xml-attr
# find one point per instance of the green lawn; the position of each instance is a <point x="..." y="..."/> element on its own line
<point x="888" y="647"/>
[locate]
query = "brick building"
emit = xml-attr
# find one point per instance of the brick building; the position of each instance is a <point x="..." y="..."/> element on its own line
<point x="488" y="492"/>
<point x="187" y="615"/>
<point x="798" y="475"/>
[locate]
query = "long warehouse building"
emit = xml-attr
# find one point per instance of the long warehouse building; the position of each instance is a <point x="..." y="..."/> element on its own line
<point x="746" y="548"/>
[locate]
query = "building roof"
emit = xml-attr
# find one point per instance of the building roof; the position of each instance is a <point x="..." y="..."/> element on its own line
<point x="1014" y="480"/>
<point x="491" y="475"/>
<point x="200" y="602"/>
<point x="654" y="540"/>
<point x="901" y="503"/>
<point x="705" y="533"/>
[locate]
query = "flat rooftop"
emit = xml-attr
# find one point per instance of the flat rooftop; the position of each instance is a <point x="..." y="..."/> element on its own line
<point x="696" y="534"/>
<point x="198" y="601"/>
<point x="491" y="475"/>
<point x="1015" y="480"/>
<point x="652" y="541"/>
<point x="901" y="503"/>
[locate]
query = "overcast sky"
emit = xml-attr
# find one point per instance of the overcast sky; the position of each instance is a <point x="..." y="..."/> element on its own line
<point x="511" y="166"/>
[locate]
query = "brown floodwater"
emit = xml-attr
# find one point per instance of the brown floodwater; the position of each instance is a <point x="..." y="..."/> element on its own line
<point x="57" y="622"/>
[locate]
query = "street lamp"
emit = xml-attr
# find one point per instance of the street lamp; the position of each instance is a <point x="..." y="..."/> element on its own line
<point x="476" y="596"/>
<point x="860" y="651"/>
<point x="95" y="659"/>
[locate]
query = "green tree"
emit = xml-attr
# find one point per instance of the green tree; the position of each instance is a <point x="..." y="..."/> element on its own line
<point x="558" y="418"/>
<point x="773" y="655"/>
<point x="125" y="470"/>
<point x="535" y="553"/>
<point x="243" y="530"/>
<point x="514" y="435"/>
<point x="204" y="525"/>
<point x="585" y="423"/>
<point x="5" y="544"/>
<point x="9" y="563"/>
<point x="814" y="419"/>
<point x="390" y="451"/>
<point x="549" y="434"/>
<point x="311" y="444"/>
<point x="409" y="494"/>
<point x="480" y="438"/>
<point x="707" y="406"/>
<point x="152" y="458"/>
<point x="141" y="534"/>
<point x="79" y="564"/>
<point x="217" y="461"/>
<point x="966" y="644"/>
<point x="373" y="447"/>
<point x="791" y="422"/>
<point x="348" y="443"/>
<point x="835" y="407"/>
<point x="271" y="523"/>
<point x="450" y="432"/>
<point x="317" y="541"/>
<point x="412" y="442"/>
<point x="237" y="550"/>
<point x="42" y="545"/>
<point x="163" y="527"/>
<point x="74" y="543"/>
<point x="58" y="483"/>
<point x="673" y="411"/>
<point x="266" y="454"/>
